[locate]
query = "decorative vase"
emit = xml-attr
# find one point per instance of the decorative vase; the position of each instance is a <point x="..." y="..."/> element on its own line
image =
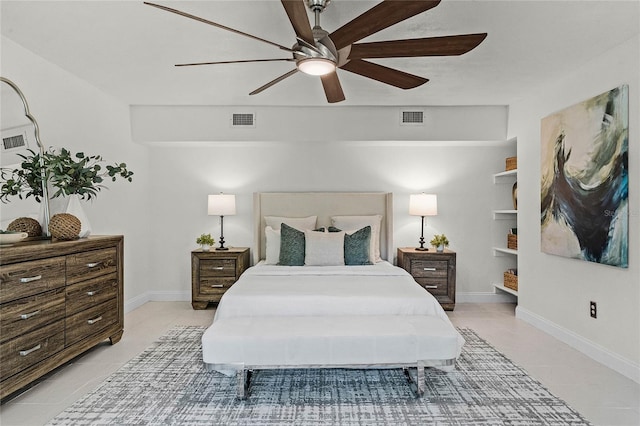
<point x="205" y="247"/>
<point x="74" y="207"/>
<point x="440" y="248"/>
<point x="514" y="195"/>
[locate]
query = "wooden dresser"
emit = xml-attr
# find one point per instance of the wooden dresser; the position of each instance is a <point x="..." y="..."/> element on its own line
<point x="434" y="271"/>
<point x="57" y="299"/>
<point x="213" y="272"/>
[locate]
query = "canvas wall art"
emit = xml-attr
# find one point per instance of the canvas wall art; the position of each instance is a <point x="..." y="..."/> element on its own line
<point x="585" y="184"/>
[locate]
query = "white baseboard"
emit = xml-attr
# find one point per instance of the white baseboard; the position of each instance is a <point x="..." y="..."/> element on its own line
<point x="156" y="296"/>
<point x="612" y="360"/>
<point x="485" y="297"/>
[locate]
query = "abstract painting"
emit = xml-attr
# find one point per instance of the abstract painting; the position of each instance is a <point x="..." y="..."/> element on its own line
<point x="585" y="181"/>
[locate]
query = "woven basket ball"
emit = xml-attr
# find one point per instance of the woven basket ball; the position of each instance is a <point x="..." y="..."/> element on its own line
<point x="64" y="226"/>
<point x="26" y="224"/>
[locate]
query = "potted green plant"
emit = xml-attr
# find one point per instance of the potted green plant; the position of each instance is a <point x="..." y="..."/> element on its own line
<point x="439" y="241"/>
<point x="68" y="174"/>
<point x="205" y="241"/>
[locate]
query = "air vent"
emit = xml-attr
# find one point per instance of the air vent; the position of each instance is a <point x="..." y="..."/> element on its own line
<point x="12" y="142"/>
<point x="412" y="118"/>
<point x="243" y="120"/>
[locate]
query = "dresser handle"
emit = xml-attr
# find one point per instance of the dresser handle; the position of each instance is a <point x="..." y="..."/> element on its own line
<point x="93" y="264"/>
<point x="217" y="285"/>
<point x="430" y="286"/>
<point x="28" y="351"/>
<point x="95" y="320"/>
<point x="29" y="315"/>
<point x="429" y="269"/>
<point x="29" y="279"/>
<point x="219" y="268"/>
<point x="92" y="293"/>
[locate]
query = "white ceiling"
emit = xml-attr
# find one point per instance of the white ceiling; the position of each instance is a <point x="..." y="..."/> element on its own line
<point x="128" y="49"/>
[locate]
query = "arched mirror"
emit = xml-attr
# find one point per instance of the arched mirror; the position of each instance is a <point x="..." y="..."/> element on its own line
<point x="20" y="132"/>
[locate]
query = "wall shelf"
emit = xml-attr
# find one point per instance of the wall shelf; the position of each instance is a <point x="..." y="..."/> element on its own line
<point x="504" y="214"/>
<point x="500" y="287"/>
<point x="502" y="251"/>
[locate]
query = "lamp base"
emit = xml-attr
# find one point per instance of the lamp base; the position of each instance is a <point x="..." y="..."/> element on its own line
<point x="222" y="248"/>
<point x="422" y="249"/>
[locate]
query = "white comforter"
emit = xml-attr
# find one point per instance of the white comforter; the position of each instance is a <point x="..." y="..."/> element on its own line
<point x="379" y="289"/>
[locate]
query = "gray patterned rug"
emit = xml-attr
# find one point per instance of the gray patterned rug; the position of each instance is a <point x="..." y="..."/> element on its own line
<point x="168" y="385"/>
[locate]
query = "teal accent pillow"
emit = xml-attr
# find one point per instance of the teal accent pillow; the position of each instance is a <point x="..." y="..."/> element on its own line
<point x="356" y="246"/>
<point x="291" y="246"/>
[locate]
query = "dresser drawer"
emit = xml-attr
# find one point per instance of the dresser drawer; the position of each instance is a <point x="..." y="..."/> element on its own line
<point x="91" y="264"/>
<point x="29" y="313"/>
<point x="217" y="268"/>
<point x="31" y="348"/>
<point x="90" y="293"/>
<point x="215" y="285"/>
<point x="28" y="278"/>
<point x="91" y="321"/>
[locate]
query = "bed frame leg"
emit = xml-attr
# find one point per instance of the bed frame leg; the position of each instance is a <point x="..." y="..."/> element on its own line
<point x="243" y="378"/>
<point x="418" y="383"/>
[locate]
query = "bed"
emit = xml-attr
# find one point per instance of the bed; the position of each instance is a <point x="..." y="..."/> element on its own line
<point x="323" y="313"/>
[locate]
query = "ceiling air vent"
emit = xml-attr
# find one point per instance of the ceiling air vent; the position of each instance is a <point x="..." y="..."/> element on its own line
<point x="244" y="120"/>
<point x="411" y="118"/>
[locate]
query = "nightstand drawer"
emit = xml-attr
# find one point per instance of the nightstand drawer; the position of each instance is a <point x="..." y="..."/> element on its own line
<point x="435" y="269"/>
<point x="217" y="268"/>
<point x="215" y="286"/>
<point x="435" y="286"/>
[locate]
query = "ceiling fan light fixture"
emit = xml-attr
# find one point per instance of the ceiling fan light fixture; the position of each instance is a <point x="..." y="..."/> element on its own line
<point x="316" y="66"/>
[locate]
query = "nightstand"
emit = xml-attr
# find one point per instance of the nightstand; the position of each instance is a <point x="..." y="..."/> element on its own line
<point x="213" y="272"/>
<point x="434" y="271"/>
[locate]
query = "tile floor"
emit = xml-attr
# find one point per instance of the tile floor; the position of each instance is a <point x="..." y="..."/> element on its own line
<point x="603" y="396"/>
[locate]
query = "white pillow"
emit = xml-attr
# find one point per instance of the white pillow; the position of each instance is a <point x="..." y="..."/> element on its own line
<point x="349" y="223"/>
<point x="300" y="223"/>
<point x="272" y="252"/>
<point x="323" y="248"/>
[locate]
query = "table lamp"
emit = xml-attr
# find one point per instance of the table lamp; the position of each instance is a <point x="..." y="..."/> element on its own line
<point x="222" y="205"/>
<point x="423" y="205"/>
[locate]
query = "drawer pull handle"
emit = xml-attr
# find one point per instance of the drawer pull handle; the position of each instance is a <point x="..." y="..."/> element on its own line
<point x="28" y="351"/>
<point x="429" y="269"/>
<point x="217" y="285"/>
<point x="29" y="315"/>
<point x="430" y="286"/>
<point x="92" y="293"/>
<point x="219" y="268"/>
<point x="95" y="320"/>
<point x="93" y="264"/>
<point x="29" y="279"/>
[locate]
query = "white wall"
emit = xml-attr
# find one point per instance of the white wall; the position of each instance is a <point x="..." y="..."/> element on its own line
<point x="460" y="173"/>
<point x="75" y="115"/>
<point x="554" y="292"/>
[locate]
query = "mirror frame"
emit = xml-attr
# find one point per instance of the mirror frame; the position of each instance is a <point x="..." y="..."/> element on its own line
<point x="31" y="118"/>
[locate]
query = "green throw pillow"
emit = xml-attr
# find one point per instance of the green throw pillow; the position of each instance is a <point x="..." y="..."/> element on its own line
<point x="356" y="246"/>
<point x="291" y="246"/>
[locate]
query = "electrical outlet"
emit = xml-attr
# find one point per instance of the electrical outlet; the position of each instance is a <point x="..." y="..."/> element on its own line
<point x="593" y="308"/>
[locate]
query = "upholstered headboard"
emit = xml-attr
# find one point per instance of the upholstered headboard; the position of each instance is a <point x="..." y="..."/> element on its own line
<point x="324" y="205"/>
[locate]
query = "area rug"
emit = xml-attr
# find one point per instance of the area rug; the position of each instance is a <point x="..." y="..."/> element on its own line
<point x="168" y="385"/>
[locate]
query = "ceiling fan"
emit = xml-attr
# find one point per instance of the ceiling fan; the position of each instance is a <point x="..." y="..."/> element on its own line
<point x="318" y="52"/>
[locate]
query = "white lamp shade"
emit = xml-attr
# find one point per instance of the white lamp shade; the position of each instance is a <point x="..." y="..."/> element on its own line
<point x="222" y="205"/>
<point x="316" y="66"/>
<point x="423" y="204"/>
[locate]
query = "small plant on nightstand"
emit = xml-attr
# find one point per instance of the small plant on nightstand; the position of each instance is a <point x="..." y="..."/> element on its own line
<point x="439" y="242"/>
<point x="205" y="241"/>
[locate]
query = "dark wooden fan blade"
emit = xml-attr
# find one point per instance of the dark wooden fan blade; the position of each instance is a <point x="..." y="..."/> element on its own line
<point x="384" y="74"/>
<point x="379" y="17"/>
<point x="272" y="82"/>
<point x="332" y="87"/>
<point x="234" y="62"/>
<point x="430" y="46"/>
<point x="206" y="21"/>
<point x="297" y="13"/>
